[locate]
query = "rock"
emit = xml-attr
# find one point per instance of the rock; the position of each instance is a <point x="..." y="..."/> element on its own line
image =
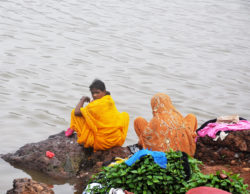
<point x="246" y="169"/>
<point x="234" y="149"/>
<point x="28" y="186"/>
<point x="70" y="160"/>
<point x="73" y="161"/>
<point x="223" y="176"/>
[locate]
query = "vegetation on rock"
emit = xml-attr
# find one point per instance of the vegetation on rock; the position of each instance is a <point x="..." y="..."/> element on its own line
<point x="146" y="177"/>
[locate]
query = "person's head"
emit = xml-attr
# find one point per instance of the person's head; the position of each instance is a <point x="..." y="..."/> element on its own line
<point x="161" y="102"/>
<point x="97" y="89"/>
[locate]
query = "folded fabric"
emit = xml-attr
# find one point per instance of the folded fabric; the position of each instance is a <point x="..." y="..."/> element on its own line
<point x="213" y="128"/>
<point x="228" y="119"/>
<point x="118" y="160"/>
<point x="159" y="157"/>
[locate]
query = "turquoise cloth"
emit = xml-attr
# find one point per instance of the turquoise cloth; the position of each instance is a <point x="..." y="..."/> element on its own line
<point x="159" y="157"/>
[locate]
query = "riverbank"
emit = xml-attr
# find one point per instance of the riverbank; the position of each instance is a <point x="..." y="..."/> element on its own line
<point x="75" y="164"/>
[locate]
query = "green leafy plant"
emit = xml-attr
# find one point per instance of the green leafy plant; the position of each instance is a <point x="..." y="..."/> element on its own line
<point x="146" y="177"/>
<point x="233" y="183"/>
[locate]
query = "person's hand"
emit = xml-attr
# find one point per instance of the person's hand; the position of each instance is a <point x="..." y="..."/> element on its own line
<point x="85" y="99"/>
<point x="80" y="104"/>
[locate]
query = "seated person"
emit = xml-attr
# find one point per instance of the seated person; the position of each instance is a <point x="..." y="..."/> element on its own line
<point x="168" y="129"/>
<point x="99" y="124"/>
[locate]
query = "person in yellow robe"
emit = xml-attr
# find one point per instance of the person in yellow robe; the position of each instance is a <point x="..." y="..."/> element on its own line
<point x="99" y="124"/>
<point x="168" y="129"/>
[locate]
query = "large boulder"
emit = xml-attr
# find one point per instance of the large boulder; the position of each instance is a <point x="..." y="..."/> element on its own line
<point x="28" y="186"/>
<point x="234" y="149"/>
<point x="71" y="160"/>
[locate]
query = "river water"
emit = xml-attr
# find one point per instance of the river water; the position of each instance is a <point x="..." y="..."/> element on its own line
<point x="197" y="52"/>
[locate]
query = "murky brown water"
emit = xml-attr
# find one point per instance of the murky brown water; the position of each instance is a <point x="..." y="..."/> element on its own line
<point x="195" y="51"/>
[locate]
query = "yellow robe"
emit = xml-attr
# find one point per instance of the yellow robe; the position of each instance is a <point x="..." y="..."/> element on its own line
<point x="102" y="125"/>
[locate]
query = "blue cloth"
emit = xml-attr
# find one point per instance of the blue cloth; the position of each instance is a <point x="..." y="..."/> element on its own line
<point x="159" y="157"/>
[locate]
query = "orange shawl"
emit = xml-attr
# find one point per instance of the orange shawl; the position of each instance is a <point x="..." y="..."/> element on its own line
<point x="168" y="129"/>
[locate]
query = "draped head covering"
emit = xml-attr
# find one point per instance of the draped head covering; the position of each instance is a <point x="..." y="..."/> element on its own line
<point x="168" y="129"/>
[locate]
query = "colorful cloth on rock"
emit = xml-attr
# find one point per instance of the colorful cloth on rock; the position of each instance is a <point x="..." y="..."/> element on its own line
<point x="101" y="126"/>
<point x="159" y="157"/>
<point x="168" y="129"/>
<point x="213" y="128"/>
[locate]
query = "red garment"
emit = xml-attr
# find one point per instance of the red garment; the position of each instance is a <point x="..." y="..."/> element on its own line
<point x="206" y="190"/>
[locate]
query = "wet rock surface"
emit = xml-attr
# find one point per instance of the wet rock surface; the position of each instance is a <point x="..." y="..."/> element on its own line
<point x="28" y="186"/>
<point x="71" y="160"/>
<point x="233" y="150"/>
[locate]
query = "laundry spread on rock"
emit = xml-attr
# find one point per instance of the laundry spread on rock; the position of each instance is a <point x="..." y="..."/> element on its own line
<point x="159" y="157"/>
<point x="213" y="128"/>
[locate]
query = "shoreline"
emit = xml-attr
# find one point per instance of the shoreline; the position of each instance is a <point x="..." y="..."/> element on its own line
<point x="73" y="164"/>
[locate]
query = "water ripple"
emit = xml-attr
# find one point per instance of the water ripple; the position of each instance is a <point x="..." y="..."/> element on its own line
<point x="195" y="51"/>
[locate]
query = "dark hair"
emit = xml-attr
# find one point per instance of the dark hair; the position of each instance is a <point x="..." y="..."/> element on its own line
<point x="97" y="84"/>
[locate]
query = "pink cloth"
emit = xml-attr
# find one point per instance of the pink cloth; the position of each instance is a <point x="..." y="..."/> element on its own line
<point x="212" y="128"/>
